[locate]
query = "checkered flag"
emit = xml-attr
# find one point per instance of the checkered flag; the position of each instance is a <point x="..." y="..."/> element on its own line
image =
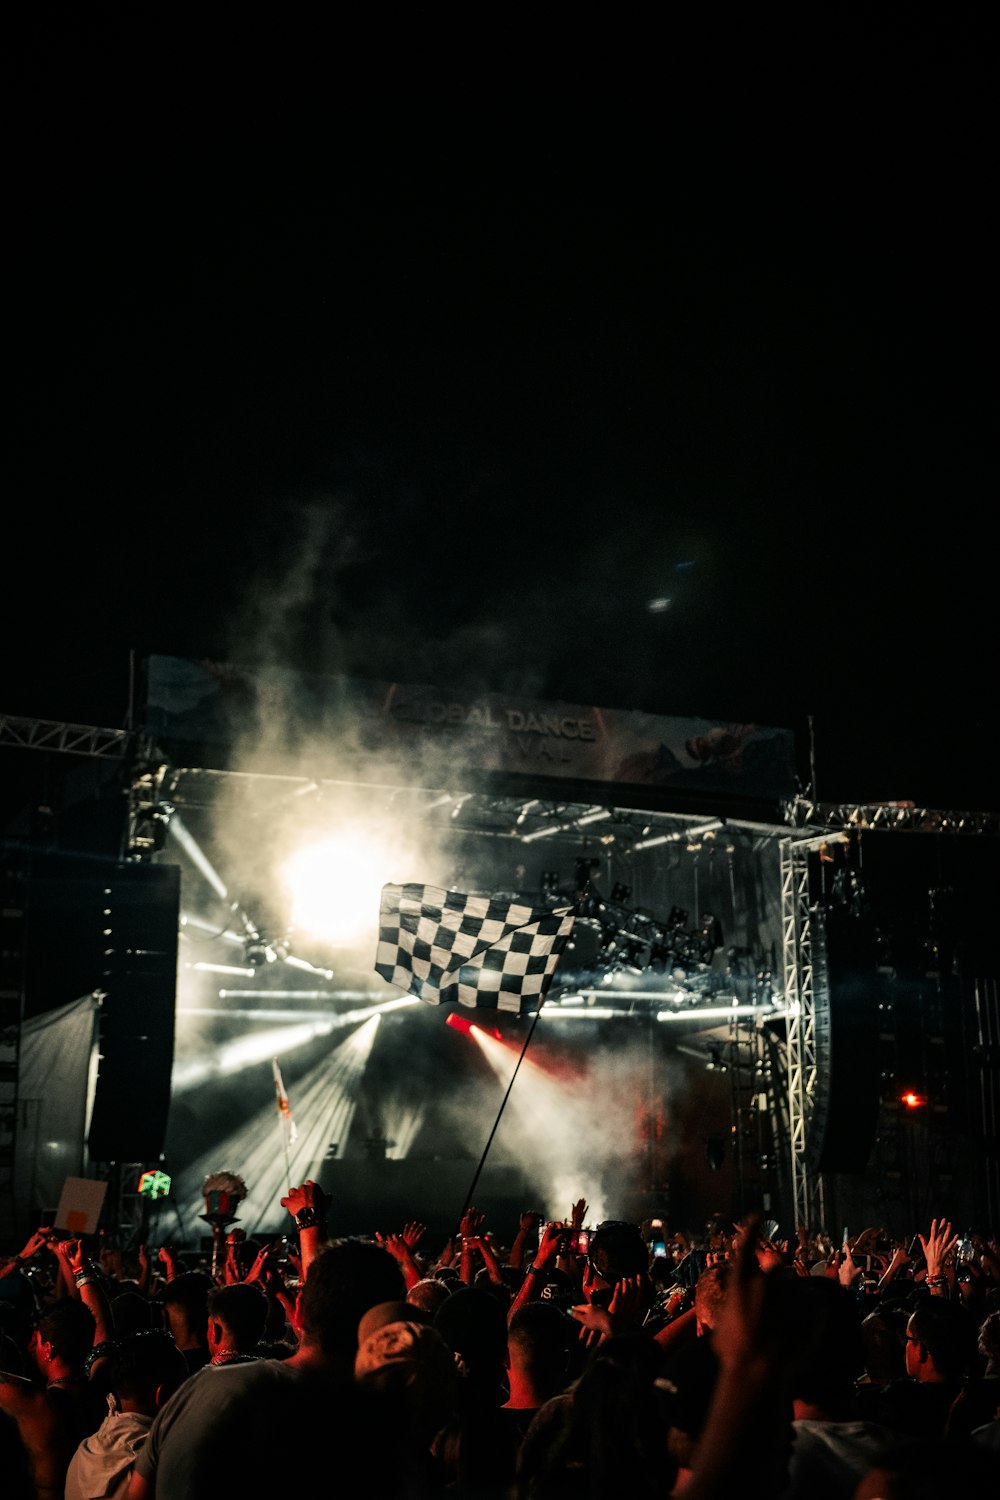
<point x="491" y="954"/>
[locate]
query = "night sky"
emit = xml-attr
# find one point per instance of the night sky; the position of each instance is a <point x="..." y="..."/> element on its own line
<point x="450" y="387"/>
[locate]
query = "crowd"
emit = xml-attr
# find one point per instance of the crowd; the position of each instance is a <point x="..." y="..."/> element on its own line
<point x="564" y="1360"/>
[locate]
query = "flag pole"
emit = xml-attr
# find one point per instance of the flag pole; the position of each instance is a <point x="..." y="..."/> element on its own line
<point x="283" y="1127"/>
<point x="581" y="893"/>
<point x="284" y="1118"/>
<point x="496" y="1122"/>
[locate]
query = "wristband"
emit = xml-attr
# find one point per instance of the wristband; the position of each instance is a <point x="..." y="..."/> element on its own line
<point x="86" y="1281"/>
<point x="307" y="1218"/>
<point x="534" y="1270"/>
<point x="87" y="1269"/>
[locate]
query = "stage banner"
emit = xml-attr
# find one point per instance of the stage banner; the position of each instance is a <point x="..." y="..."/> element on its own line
<point x="349" y="728"/>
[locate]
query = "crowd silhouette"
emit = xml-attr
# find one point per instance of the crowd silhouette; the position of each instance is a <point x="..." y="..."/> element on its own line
<point x="532" y="1361"/>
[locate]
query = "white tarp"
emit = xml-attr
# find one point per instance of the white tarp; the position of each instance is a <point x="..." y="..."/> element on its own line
<point x="56" y="1080"/>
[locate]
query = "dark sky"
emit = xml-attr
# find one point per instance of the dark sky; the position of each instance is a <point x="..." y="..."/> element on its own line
<point x="449" y="386"/>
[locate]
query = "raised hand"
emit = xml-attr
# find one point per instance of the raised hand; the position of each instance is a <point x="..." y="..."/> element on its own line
<point x="596" y="1323"/>
<point x="530" y="1220"/>
<point x="938" y="1245"/>
<point x="625" y="1306"/>
<point x="308" y="1194"/>
<point x="578" y="1213"/>
<point x="258" y="1271"/>
<point x="36" y="1242"/>
<point x="770" y="1255"/>
<point x="472" y="1223"/>
<point x="413" y="1233"/>
<point x="548" y="1244"/>
<point x="396" y="1245"/>
<point x="847" y="1271"/>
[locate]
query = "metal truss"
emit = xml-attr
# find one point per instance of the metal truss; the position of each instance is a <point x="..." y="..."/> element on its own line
<point x="798" y="982"/>
<point x="73" y="739"/>
<point x="903" y="817"/>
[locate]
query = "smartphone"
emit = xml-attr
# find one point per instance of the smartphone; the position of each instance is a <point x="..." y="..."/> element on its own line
<point x="660" y="1249"/>
<point x="574" y="1242"/>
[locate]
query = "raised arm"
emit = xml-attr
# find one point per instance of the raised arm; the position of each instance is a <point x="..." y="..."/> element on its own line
<point x="308" y="1205"/>
<point x="534" y="1275"/>
<point x="88" y="1285"/>
<point x="527" y="1232"/>
<point x="470" y="1229"/>
<point x="35" y="1242"/>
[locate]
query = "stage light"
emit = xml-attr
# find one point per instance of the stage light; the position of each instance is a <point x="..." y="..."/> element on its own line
<point x="912" y="1100"/>
<point x="207" y="968"/>
<point x="702" y="830"/>
<point x="542" y="833"/>
<point x="257" y="951"/>
<point x="335" y="885"/>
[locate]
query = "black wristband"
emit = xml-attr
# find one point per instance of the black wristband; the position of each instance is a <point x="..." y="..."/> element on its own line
<point x="307" y="1218"/>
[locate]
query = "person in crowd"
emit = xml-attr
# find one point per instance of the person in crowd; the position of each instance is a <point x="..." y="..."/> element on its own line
<point x="939" y="1358"/>
<point x="428" y="1293"/>
<point x="409" y="1364"/>
<point x="478" y="1449"/>
<point x="145" y="1368"/>
<point x="608" y="1433"/>
<point x="234" y="1426"/>
<point x="978" y="1402"/>
<point x="617" y="1253"/>
<point x="884" y="1333"/>
<point x="832" y="1445"/>
<point x="543" y="1358"/>
<point x="690" y="1364"/>
<point x="184" y="1300"/>
<point x="54" y="1406"/>
<point x="236" y="1319"/>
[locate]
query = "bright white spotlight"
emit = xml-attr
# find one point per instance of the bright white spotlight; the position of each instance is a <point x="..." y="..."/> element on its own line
<point x="336" y="885"/>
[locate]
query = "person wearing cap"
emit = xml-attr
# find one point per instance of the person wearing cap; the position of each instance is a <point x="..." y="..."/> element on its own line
<point x="406" y="1361"/>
